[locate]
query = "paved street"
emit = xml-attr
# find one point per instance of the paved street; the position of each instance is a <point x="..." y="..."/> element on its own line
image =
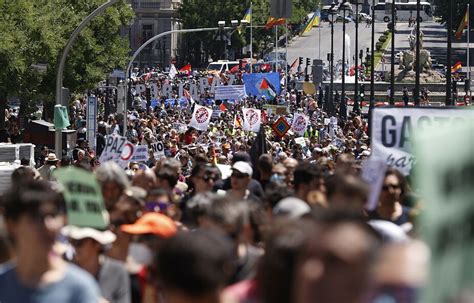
<point x="308" y="45"/>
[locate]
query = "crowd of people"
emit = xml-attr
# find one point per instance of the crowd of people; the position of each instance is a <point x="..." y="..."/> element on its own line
<point x="285" y="222"/>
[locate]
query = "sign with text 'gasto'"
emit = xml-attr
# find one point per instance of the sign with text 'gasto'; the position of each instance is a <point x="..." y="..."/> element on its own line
<point x="393" y="131"/>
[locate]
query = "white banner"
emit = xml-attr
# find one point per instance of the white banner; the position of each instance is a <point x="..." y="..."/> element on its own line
<point x="201" y="117"/>
<point x="158" y="149"/>
<point x="140" y="154"/>
<point x="300" y="122"/>
<point x="230" y="92"/>
<point x="393" y="129"/>
<point x="117" y="149"/>
<point x="252" y="119"/>
<point x="373" y="172"/>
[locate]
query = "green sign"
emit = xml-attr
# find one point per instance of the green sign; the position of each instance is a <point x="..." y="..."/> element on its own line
<point x="445" y="175"/>
<point x="84" y="202"/>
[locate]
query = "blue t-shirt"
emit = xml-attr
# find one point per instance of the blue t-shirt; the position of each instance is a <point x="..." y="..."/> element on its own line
<point x="77" y="286"/>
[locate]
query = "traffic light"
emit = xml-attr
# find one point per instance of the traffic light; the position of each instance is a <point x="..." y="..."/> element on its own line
<point x="467" y="85"/>
<point x="308" y="61"/>
<point x="362" y="91"/>
<point x="301" y="61"/>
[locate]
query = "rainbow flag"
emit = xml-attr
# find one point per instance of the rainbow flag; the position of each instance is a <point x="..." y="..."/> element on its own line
<point x="462" y="26"/>
<point x="456" y="68"/>
<point x="271" y="22"/>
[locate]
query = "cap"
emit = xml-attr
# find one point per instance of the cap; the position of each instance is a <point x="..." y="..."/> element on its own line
<point x="152" y="223"/>
<point x="243" y="167"/>
<point x="51" y="157"/>
<point x="78" y="233"/>
<point x="291" y="207"/>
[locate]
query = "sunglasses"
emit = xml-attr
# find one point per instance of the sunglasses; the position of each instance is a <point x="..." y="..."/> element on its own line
<point x="77" y="243"/>
<point x="390" y="186"/>
<point x="207" y="178"/>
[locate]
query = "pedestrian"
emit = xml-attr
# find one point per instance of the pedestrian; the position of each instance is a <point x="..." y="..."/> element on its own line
<point x="405" y="96"/>
<point x="34" y="214"/>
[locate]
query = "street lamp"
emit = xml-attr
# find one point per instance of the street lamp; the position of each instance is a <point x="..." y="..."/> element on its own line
<point x="448" y="55"/>
<point x="356" y="108"/>
<point x="416" y="95"/>
<point x="331" y="61"/>
<point x="344" y="5"/>
<point x="372" y="60"/>
<point x="392" y="57"/>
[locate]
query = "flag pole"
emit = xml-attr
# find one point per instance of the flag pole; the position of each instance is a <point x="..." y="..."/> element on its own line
<point x="251" y="36"/>
<point x="468" y="49"/>
<point x="276" y="48"/>
<point x="286" y="54"/>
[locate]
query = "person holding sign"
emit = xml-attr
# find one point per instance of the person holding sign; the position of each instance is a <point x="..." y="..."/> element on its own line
<point x="34" y="214"/>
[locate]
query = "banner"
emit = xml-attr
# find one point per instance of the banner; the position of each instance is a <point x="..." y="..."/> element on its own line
<point x="158" y="149"/>
<point x="299" y="124"/>
<point x="117" y="149"/>
<point x="230" y="92"/>
<point x="373" y="172"/>
<point x="445" y="177"/>
<point x="84" y="202"/>
<point x="252" y="119"/>
<point x="140" y="153"/>
<point x="393" y="130"/>
<point x="201" y="117"/>
<point x="262" y="84"/>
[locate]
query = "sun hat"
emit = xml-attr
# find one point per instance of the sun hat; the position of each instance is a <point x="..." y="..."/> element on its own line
<point x="243" y="167"/>
<point x="78" y="233"/>
<point x="152" y="223"/>
<point x="51" y="157"/>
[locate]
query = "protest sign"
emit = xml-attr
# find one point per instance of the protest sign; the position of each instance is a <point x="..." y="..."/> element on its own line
<point x="252" y="119"/>
<point x="201" y="117"/>
<point x="445" y="176"/>
<point x="301" y="141"/>
<point x="393" y="130"/>
<point x="117" y="149"/>
<point x="84" y="202"/>
<point x="158" y="149"/>
<point x="230" y="92"/>
<point x="299" y="124"/>
<point x="262" y="84"/>
<point x="140" y="154"/>
<point x="373" y="172"/>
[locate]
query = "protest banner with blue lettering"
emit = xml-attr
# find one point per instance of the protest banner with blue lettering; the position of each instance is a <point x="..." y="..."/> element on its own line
<point x="140" y="154"/>
<point x="262" y="84"/>
<point x="393" y="131"/>
<point x="230" y="92"/>
<point x="117" y="149"/>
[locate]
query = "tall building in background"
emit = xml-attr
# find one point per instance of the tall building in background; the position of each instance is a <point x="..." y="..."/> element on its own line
<point x="153" y="17"/>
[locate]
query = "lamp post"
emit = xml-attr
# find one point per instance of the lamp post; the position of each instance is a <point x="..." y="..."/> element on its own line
<point x="343" y="88"/>
<point x="448" y="56"/>
<point x="356" y="108"/>
<point x="392" y="58"/>
<point x="59" y="77"/>
<point x="372" y="59"/>
<point x="416" y="95"/>
<point x="331" y="61"/>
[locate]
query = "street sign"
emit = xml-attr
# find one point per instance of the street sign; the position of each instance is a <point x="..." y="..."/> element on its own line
<point x="91" y="122"/>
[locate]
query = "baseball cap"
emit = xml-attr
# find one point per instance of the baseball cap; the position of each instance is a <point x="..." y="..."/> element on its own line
<point x="291" y="207"/>
<point x="152" y="223"/>
<point x="243" y="167"/>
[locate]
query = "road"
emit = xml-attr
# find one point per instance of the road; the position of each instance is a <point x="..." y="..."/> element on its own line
<point x="309" y="45"/>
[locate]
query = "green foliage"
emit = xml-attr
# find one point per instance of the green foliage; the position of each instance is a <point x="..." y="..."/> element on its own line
<point x="207" y="13"/>
<point x="36" y="31"/>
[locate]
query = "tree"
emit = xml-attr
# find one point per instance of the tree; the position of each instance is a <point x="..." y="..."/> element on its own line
<point x="198" y="47"/>
<point x="36" y="31"/>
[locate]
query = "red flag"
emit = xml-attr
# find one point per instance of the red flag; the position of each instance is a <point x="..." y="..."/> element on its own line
<point x="271" y="22"/>
<point x="293" y="64"/>
<point x="222" y="107"/>
<point x="264" y="84"/>
<point x="186" y="69"/>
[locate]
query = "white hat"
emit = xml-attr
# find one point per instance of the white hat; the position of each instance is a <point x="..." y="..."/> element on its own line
<point x="79" y="233"/>
<point x="291" y="207"/>
<point x="243" y="167"/>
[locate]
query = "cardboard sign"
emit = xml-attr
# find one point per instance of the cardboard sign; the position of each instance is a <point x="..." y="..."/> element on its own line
<point x="393" y="130"/>
<point x="299" y="124"/>
<point x="84" y="202"/>
<point x="445" y="176"/>
<point x="158" y="149"/>
<point x="201" y="117"/>
<point x="117" y="149"/>
<point x="373" y="172"/>
<point x="252" y="119"/>
<point x="140" y="154"/>
<point x="301" y="141"/>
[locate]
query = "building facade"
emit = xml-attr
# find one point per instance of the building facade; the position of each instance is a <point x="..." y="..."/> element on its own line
<point x="153" y="17"/>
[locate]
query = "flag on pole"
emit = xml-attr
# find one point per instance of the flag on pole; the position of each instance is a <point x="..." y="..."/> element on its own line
<point x="271" y="22"/>
<point x="309" y="25"/>
<point x="237" y="122"/>
<point x="317" y="19"/>
<point x="293" y="65"/>
<point x="186" y="69"/>
<point x="201" y="117"/>
<point x="462" y="26"/>
<point x="248" y="15"/>
<point x="456" y="68"/>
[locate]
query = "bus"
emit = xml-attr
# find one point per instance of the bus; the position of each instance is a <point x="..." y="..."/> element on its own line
<point x="403" y="11"/>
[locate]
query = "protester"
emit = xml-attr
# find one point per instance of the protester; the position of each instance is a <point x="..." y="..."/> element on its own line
<point x="34" y="215"/>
